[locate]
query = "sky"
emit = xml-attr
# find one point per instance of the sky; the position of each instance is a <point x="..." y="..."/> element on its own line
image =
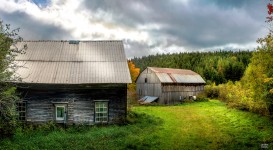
<point x="146" y="26"/>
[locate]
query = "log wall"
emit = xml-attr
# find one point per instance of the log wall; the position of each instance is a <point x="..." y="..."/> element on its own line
<point x="80" y="103"/>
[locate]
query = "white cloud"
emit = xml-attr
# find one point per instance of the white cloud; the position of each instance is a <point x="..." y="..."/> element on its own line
<point x="233" y="46"/>
<point x="82" y="24"/>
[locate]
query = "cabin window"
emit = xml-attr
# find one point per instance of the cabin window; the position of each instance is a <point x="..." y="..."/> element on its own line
<point x="21" y="109"/>
<point x="101" y="111"/>
<point x="145" y="80"/>
<point x="60" y="113"/>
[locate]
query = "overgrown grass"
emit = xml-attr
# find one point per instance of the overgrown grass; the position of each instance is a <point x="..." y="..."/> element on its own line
<point x="202" y="125"/>
<point x="210" y="125"/>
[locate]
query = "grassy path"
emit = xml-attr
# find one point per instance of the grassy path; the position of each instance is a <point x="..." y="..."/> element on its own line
<point x="202" y="125"/>
<point x="210" y="125"/>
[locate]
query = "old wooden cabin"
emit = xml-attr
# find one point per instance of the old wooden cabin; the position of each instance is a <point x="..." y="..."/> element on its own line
<point x="168" y="86"/>
<point x="73" y="82"/>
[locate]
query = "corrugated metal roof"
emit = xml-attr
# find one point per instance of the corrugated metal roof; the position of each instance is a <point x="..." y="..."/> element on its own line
<point x="147" y="99"/>
<point x="58" y="62"/>
<point x="164" y="77"/>
<point x="169" y="75"/>
<point x="173" y="71"/>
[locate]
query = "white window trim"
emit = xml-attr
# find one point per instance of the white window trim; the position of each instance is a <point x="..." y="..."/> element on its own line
<point x="60" y="118"/>
<point x="107" y="112"/>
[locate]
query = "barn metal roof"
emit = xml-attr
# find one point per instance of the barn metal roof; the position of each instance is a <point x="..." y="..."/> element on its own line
<point x="147" y="99"/>
<point x="66" y="62"/>
<point x="169" y="75"/>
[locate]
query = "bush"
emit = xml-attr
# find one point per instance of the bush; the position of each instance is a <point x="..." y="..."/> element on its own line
<point x="202" y="97"/>
<point x="212" y="91"/>
<point x="8" y="114"/>
<point x="8" y="96"/>
<point x="237" y="96"/>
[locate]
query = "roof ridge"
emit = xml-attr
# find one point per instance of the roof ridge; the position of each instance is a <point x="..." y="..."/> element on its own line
<point x="72" y="40"/>
<point x="173" y="71"/>
<point x="170" y="68"/>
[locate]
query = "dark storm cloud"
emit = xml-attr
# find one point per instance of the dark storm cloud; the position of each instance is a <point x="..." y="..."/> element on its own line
<point x="31" y="29"/>
<point x="191" y="25"/>
<point x="133" y="48"/>
<point x="194" y="25"/>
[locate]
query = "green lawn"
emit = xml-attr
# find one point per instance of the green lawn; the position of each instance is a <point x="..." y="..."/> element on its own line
<point x="202" y="125"/>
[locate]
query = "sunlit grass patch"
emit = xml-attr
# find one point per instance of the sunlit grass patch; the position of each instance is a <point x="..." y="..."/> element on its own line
<point x="210" y="125"/>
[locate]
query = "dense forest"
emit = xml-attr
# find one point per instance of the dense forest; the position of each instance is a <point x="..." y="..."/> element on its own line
<point x="218" y="67"/>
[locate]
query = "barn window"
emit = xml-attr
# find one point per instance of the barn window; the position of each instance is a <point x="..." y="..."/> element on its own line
<point x="145" y="80"/>
<point x="22" y="110"/>
<point x="60" y="112"/>
<point x="101" y="111"/>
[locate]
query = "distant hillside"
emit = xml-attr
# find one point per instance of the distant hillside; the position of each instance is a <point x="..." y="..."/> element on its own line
<point x="218" y="67"/>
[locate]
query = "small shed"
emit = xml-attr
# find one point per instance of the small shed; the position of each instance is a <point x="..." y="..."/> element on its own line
<point x="72" y="82"/>
<point x="171" y="86"/>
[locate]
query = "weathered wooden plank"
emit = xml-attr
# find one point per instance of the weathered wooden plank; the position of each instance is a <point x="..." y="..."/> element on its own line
<point x="79" y="104"/>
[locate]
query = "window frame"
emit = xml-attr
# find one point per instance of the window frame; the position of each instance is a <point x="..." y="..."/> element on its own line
<point x="19" y="106"/>
<point x="56" y="113"/>
<point x="106" y="114"/>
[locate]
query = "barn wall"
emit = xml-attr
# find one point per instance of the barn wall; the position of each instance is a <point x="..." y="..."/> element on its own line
<point x="151" y="88"/>
<point x="176" y="93"/>
<point x="79" y="103"/>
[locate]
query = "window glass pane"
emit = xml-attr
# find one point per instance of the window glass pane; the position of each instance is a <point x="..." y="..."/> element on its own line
<point x="60" y="112"/>
<point x="101" y="111"/>
<point x="21" y="109"/>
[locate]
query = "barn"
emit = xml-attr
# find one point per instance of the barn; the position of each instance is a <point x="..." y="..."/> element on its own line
<point x="72" y="82"/>
<point x="167" y="85"/>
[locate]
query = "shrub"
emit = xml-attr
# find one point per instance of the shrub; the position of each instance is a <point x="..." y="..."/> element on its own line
<point x="236" y="95"/>
<point x="202" y="97"/>
<point x="212" y="91"/>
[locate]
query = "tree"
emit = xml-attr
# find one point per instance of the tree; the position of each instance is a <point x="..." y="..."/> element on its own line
<point x="8" y="98"/>
<point x="134" y="74"/>
<point x="258" y="77"/>
<point x="132" y="87"/>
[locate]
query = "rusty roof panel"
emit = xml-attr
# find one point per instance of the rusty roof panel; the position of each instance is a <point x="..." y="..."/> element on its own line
<point x="58" y="62"/>
<point x="164" y="78"/>
<point x="173" y="71"/>
<point x="169" y="75"/>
